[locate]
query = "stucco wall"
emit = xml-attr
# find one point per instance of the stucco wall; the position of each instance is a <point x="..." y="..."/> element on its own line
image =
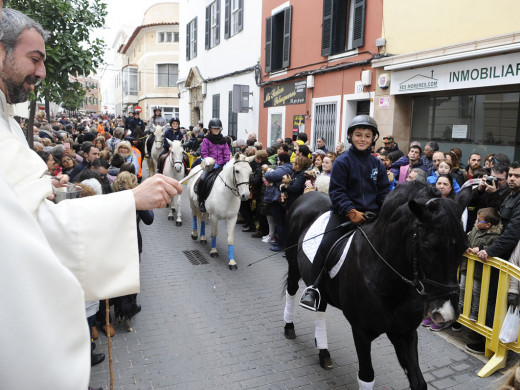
<point x="411" y="25"/>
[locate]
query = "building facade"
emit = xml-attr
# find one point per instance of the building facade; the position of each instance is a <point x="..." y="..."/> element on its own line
<point x="220" y="41"/>
<point x="451" y="74"/>
<point x="149" y="64"/>
<point x="316" y="67"/>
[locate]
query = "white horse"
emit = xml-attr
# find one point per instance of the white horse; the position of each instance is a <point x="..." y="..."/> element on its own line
<point x="174" y="168"/>
<point x="157" y="148"/>
<point x="223" y="202"/>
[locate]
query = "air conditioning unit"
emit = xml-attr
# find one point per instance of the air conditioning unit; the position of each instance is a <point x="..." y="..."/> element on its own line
<point x="310" y="81"/>
<point x="366" y="77"/>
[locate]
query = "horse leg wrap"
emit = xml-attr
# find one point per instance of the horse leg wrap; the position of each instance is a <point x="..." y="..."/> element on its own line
<point x="194" y="223"/>
<point x="321" y="331"/>
<point x="365" y="385"/>
<point x="231" y="251"/>
<point x="202" y="228"/>
<point x="288" y="314"/>
<point x="213" y="242"/>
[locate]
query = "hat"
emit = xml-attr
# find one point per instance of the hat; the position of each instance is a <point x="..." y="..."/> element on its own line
<point x="388" y="139"/>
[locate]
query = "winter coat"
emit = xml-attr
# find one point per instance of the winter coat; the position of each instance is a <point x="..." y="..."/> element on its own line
<point x="510" y="216"/>
<point x="272" y="193"/>
<point x="220" y="152"/>
<point x="481" y="239"/>
<point x="172" y="136"/>
<point x="358" y="181"/>
<point x="295" y="187"/>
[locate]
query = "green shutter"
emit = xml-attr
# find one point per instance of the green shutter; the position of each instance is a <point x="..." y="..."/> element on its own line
<point x="326" y="28"/>
<point x="286" y="55"/>
<point x="358" y="38"/>
<point x="268" y="43"/>
<point x="240" y="15"/>
<point x="227" y="19"/>
<point x="188" y="42"/>
<point x="217" y="35"/>
<point x="207" y="35"/>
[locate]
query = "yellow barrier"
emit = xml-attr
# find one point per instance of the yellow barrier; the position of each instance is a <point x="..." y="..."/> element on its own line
<point x="192" y="158"/>
<point x="493" y="345"/>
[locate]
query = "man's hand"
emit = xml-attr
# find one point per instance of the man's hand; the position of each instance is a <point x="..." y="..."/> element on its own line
<point x="356" y="216"/>
<point x="156" y="192"/>
<point x="482" y="254"/>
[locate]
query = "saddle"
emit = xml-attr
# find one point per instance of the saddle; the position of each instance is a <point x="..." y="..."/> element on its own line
<point x="149" y="143"/>
<point x="205" y="182"/>
<point x="161" y="161"/>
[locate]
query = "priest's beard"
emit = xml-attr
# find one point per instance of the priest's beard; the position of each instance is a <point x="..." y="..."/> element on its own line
<point x="14" y="82"/>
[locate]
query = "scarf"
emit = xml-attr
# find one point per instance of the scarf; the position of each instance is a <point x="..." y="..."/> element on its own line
<point x="216" y="139"/>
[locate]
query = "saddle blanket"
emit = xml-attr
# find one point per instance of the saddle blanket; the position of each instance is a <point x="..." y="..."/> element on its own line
<point x="311" y="243"/>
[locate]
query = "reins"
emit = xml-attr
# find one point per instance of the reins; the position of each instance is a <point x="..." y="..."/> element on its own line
<point x="234" y="190"/>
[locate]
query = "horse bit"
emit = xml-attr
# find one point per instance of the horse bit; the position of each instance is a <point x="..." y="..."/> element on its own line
<point x="235" y="190"/>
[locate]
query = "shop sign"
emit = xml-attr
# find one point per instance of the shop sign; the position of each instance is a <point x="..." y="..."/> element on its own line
<point x="298" y="124"/>
<point x="285" y="94"/>
<point x="481" y="72"/>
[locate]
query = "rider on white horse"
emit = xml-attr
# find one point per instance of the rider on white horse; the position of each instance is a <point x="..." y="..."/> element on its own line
<point x="172" y="134"/>
<point x="214" y="145"/>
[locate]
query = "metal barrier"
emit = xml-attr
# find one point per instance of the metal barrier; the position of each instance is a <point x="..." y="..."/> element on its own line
<point x="494" y="347"/>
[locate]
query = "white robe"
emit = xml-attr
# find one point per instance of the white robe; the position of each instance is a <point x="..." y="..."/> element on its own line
<point x="53" y="258"/>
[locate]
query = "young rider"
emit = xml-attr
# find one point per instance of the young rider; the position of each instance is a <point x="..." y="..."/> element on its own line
<point x="358" y="184"/>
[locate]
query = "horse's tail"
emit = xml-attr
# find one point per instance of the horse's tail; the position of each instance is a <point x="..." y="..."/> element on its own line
<point x="151" y="166"/>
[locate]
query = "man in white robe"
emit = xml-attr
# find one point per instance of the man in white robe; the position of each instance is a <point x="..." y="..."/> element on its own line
<point x="50" y="263"/>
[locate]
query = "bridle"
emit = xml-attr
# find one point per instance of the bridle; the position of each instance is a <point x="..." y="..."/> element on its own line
<point x="173" y="162"/>
<point x="235" y="184"/>
<point x="420" y="281"/>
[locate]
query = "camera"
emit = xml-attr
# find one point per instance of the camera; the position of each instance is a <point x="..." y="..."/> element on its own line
<point x="492" y="179"/>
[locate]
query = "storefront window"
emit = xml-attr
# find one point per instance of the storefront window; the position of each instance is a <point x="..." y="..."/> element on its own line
<point x="475" y="123"/>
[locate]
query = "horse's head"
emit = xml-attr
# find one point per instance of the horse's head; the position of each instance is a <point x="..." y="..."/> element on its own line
<point x="241" y="172"/>
<point x="438" y="244"/>
<point x="159" y="133"/>
<point x="176" y="153"/>
<point x="431" y="243"/>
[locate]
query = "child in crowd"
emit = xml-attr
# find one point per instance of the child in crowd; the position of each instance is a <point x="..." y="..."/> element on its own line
<point x="486" y="230"/>
<point x="444" y="169"/>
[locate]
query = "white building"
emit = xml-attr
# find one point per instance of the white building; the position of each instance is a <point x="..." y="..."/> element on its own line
<point x="220" y="47"/>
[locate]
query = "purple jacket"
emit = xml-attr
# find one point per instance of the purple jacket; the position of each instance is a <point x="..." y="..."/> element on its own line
<point x="220" y="153"/>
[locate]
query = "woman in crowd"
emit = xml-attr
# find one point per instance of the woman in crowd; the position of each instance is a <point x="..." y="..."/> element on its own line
<point x="125" y="149"/>
<point x="100" y="143"/>
<point x="68" y="164"/>
<point x="445" y="185"/>
<point x="340" y="148"/>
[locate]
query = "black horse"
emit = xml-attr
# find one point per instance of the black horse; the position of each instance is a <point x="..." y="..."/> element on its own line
<point x="399" y="267"/>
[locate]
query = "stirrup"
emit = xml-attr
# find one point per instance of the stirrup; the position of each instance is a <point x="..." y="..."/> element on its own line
<point x="316" y="303"/>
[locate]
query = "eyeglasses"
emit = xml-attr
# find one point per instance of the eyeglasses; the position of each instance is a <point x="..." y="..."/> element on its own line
<point x="479" y="221"/>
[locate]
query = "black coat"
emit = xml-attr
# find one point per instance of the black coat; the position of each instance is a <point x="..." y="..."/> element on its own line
<point x="510" y="216"/>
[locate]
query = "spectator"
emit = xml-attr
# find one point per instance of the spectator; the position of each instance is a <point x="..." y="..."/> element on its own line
<point x="125" y="149"/>
<point x="414" y="161"/>
<point x="390" y="144"/>
<point x="429" y="149"/>
<point x="321" y="145"/>
<point x="473" y="164"/>
<point x="417" y="174"/>
<point x="340" y="148"/>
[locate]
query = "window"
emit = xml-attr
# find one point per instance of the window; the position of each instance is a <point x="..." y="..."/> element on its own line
<point x="191" y="39"/>
<point x="232" y="117"/>
<point x="167" y="75"/>
<point x="278" y="40"/>
<point x="170" y="112"/>
<point x="175" y="37"/>
<point x="166" y="36"/>
<point x="485" y="123"/>
<point x="130" y="81"/>
<point x="212" y="37"/>
<point x="325" y="123"/>
<point x="216" y="106"/>
<point x="343" y="26"/>
<point x="234" y="17"/>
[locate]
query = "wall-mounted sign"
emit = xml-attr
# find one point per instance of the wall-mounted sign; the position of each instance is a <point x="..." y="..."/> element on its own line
<point x="383" y="81"/>
<point x="298" y="124"/>
<point x="480" y="72"/>
<point x="285" y="94"/>
<point x="384" y="102"/>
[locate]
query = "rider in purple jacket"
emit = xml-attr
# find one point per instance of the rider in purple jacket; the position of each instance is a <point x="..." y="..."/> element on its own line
<point x="214" y="145"/>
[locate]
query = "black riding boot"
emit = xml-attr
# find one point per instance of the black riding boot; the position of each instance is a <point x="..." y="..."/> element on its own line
<point x="160" y="161"/>
<point x="200" y="191"/>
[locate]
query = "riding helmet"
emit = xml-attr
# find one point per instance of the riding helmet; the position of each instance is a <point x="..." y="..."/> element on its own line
<point x="174" y="119"/>
<point x="157" y="108"/>
<point x="364" y="121"/>
<point x="215" y="123"/>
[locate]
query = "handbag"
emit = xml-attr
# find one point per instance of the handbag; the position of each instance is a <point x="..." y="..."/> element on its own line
<point x="510" y="326"/>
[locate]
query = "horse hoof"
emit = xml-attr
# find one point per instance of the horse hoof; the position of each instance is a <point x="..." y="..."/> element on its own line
<point x="289" y="332"/>
<point x="169" y="218"/>
<point x="178" y="223"/>
<point x="325" y="360"/>
<point x="213" y="254"/>
<point x="173" y="211"/>
<point x="232" y="267"/>
<point x="194" y="237"/>
<point x="203" y="242"/>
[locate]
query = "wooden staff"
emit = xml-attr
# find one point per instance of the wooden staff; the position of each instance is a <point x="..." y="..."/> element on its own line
<point x="109" y="345"/>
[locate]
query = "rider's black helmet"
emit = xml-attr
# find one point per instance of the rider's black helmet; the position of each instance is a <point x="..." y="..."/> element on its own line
<point x="215" y="123"/>
<point x="363" y="121"/>
<point x="157" y="108"/>
<point x="175" y="120"/>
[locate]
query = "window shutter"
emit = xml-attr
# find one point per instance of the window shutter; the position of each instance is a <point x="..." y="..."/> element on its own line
<point x="207" y="35"/>
<point x="286" y="57"/>
<point x="268" y="43"/>
<point x="240" y="15"/>
<point x="217" y="35"/>
<point x="188" y="42"/>
<point x="195" y="37"/>
<point x="227" y="19"/>
<point x="358" y="38"/>
<point x="326" y="28"/>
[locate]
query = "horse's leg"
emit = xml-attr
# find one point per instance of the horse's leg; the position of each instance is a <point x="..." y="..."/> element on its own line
<point x="366" y="371"/>
<point x="293" y="277"/>
<point x="203" y="217"/>
<point x="178" y="222"/>
<point x="405" y="345"/>
<point x="320" y="334"/>
<point x="194" y="232"/>
<point x="230" y="225"/>
<point x="172" y="209"/>
<point x="214" y="231"/>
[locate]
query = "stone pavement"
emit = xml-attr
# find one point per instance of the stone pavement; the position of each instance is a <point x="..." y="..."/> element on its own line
<point x="205" y="327"/>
